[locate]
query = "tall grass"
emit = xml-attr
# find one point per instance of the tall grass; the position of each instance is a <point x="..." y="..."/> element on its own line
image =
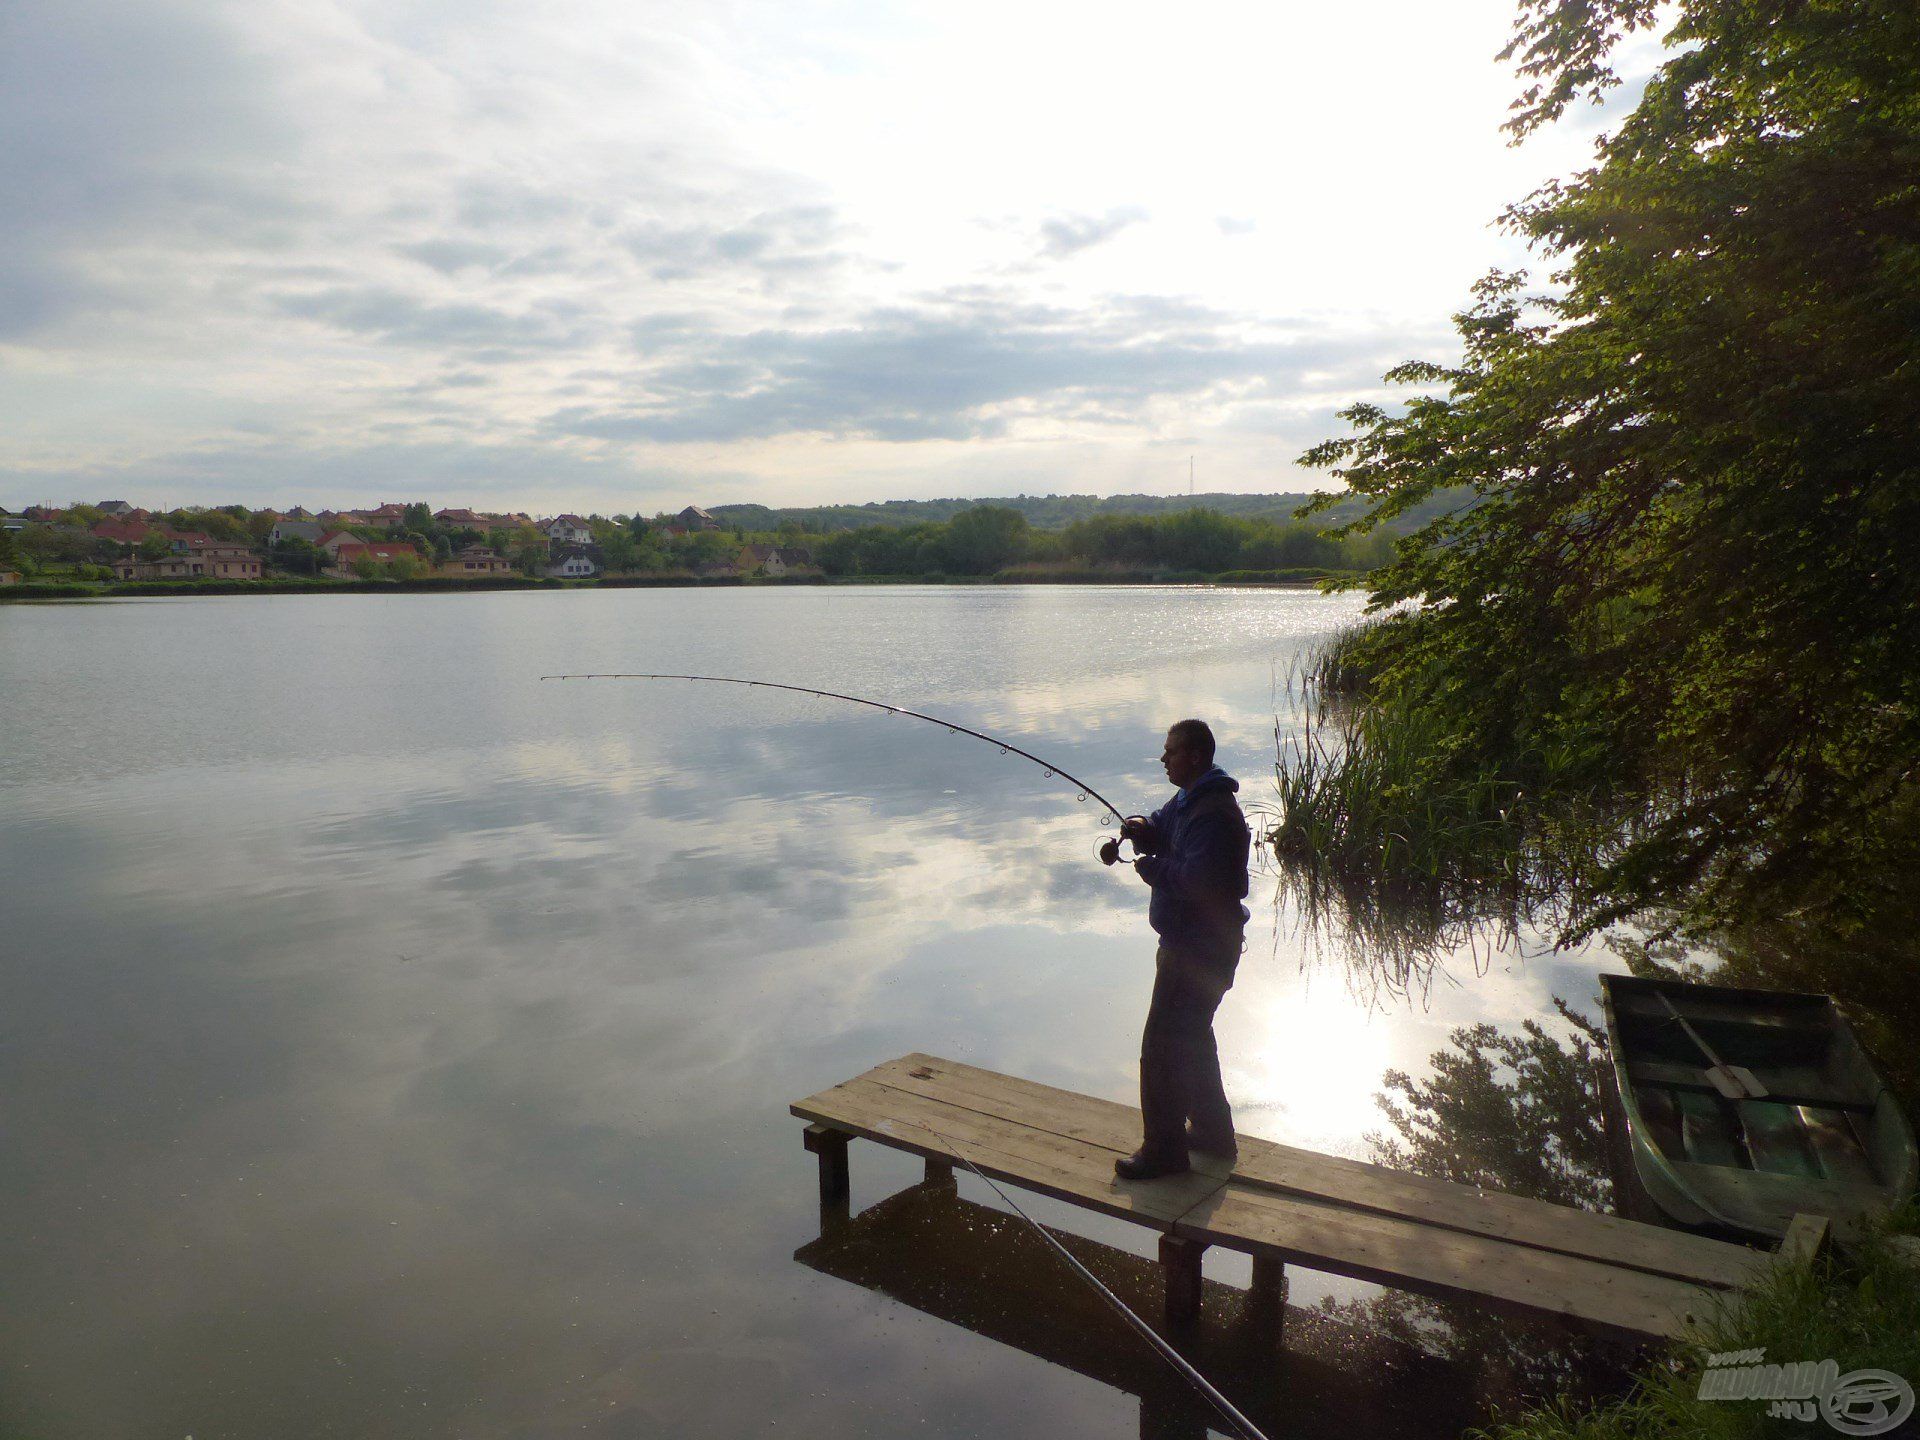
<point x="1860" y="1309"/>
<point x="1373" y="842"/>
<point x="1383" y="834"/>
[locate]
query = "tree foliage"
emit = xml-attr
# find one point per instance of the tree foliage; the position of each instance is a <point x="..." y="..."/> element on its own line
<point x="984" y="539"/>
<point x="1686" y="598"/>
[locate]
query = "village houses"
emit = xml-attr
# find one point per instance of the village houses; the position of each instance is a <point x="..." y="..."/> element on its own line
<point x="342" y="538"/>
<point x="348" y="552"/>
<point x="572" y="564"/>
<point x="568" y="530"/>
<point x="477" y="560"/>
<point x="212" y="561"/>
<point x="284" y="530"/>
<point x="390" y="516"/>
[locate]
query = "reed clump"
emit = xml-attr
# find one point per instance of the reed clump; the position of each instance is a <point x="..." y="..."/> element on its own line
<point x="1387" y="830"/>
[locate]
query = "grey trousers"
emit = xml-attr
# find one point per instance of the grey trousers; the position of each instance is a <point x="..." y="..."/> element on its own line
<point x="1179" y="1062"/>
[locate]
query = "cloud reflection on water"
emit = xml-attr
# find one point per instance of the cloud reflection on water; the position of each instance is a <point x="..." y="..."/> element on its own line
<point x="428" y="1053"/>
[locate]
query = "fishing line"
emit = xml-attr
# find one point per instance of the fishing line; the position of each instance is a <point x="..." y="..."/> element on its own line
<point x="1173" y="1357"/>
<point x="953" y="727"/>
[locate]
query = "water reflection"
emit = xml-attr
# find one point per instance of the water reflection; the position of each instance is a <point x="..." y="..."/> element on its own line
<point x="395" y="1046"/>
<point x="980" y="1268"/>
<point x="1517" y="1111"/>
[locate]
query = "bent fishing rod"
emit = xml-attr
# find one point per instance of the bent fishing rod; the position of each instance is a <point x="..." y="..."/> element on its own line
<point x="953" y="727"/>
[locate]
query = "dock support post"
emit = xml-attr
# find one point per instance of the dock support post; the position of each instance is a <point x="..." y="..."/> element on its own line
<point x="940" y="1173"/>
<point x="831" y="1146"/>
<point x="1180" y="1260"/>
<point x="1266" y="1304"/>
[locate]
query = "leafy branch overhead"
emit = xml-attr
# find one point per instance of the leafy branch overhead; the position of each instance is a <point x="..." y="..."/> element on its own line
<point x="1681" y="612"/>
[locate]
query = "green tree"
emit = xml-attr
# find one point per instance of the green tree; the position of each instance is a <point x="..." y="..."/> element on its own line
<point x="153" y="546"/>
<point x="220" y="524"/>
<point x="1201" y="540"/>
<point x="618" y="548"/>
<point x="705" y="547"/>
<point x="297" y="556"/>
<point x="983" y="539"/>
<point x="1683" y="609"/>
<point x="1115" y="540"/>
<point x="417" y="517"/>
<point x="650" y="553"/>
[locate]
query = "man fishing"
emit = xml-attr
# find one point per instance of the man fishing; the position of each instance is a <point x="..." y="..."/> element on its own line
<point x="1193" y="853"/>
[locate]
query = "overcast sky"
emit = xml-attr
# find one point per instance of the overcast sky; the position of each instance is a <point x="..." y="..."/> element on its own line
<point x="627" y="255"/>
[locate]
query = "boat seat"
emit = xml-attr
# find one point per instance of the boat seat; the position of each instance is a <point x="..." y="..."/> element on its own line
<point x="1689" y="1077"/>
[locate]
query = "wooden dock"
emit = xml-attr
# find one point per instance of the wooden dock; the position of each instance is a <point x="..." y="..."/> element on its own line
<point x="1283" y="1205"/>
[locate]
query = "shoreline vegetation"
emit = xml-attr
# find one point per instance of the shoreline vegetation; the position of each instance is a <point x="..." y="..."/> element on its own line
<point x="1659" y="682"/>
<point x="1302" y="578"/>
<point x="112" y="548"/>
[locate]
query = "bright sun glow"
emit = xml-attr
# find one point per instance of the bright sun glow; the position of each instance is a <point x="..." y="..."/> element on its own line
<point x="1310" y="1058"/>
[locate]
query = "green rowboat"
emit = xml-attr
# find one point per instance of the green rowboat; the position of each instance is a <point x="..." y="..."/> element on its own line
<point x="1744" y="1108"/>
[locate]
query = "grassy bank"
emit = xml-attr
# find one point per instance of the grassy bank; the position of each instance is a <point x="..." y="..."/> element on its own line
<point x="1860" y="1309"/>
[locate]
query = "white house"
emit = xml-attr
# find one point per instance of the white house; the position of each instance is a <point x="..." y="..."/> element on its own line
<point x="569" y="530"/>
<point x="573" y="565"/>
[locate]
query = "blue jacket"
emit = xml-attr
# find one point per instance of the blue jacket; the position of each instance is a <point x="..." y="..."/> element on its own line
<point x="1195" y="858"/>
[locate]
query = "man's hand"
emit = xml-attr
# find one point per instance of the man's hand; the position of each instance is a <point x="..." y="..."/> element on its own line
<point x="1133" y="827"/>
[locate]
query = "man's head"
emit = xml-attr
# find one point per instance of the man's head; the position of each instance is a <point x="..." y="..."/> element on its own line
<point x="1189" y="752"/>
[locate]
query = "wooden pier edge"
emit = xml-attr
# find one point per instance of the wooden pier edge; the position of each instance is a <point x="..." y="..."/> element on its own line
<point x="1282" y="1205"/>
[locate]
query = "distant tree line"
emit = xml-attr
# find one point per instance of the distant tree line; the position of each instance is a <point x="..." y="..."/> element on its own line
<point x="988" y="539"/>
<point x="977" y="538"/>
<point x="1047" y="512"/>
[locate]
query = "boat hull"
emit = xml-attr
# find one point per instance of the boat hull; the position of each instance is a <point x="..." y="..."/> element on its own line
<point x="1826" y="1138"/>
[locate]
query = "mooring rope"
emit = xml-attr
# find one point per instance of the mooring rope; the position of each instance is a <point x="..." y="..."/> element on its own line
<point x="1173" y="1357"/>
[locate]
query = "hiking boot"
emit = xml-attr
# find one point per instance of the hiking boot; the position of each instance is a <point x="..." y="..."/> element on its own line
<point x="1144" y="1164"/>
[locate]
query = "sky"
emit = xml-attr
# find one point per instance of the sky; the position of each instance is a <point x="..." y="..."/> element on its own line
<point x="618" y="256"/>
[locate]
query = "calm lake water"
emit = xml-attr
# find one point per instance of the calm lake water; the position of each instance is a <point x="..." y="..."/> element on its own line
<point x="396" y="1045"/>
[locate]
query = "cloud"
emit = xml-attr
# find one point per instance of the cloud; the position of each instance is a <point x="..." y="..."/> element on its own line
<point x="408" y="320"/>
<point x="777" y="245"/>
<point x="124" y="119"/>
<point x="449" y="255"/>
<point x="1067" y="235"/>
<point x="258" y="248"/>
<point x="972" y="367"/>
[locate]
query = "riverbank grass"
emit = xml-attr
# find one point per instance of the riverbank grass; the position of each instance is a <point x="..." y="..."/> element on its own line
<point x="1860" y="1309"/>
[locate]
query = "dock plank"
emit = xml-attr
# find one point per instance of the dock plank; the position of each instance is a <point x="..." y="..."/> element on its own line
<point x="1356" y="1183"/>
<point x="1409" y="1255"/>
<point x="1280" y="1203"/>
<point x="1055" y="1165"/>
